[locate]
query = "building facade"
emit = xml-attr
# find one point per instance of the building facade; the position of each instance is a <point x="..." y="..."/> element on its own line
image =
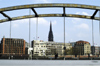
<point x="83" y="47"/>
<point x="12" y="46"/>
<point x="27" y="46"/>
<point x="94" y="50"/>
<point x="42" y="48"/>
<point x="73" y="43"/>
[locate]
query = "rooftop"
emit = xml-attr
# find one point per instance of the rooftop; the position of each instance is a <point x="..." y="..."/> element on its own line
<point x="82" y="42"/>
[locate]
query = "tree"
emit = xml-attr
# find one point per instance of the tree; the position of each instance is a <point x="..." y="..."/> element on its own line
<point x="53" y="51"/>
<point x="72" y="51"/>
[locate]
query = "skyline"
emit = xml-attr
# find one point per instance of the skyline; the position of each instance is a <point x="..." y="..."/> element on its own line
<point x="76" y="28"/>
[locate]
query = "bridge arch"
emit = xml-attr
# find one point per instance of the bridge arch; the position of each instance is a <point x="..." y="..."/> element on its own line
<point x="48" y="15"/>
<point x="32" y="6"/>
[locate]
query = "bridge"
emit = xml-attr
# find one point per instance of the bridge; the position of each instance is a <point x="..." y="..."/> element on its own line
<point x="63" y="6"/>
<point x="57" y="5"/>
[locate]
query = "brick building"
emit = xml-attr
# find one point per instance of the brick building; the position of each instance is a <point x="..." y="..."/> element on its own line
<point x="12" y="46"/>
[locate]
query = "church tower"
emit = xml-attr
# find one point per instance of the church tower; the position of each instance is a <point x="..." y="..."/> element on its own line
<point x="50" y="36"/>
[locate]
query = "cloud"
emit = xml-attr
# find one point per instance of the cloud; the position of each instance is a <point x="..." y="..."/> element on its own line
<point x="54" y="22"/>
<point x="43" y="1"/>
<point x="82" y="26"/>
<point x="77" y="13"/>
<point x="41" y="21"/>
<point x="15" y="25"/>
<point x="75" y="20"/>
<point x="81" y="35"/>
<point x="82" y="13"/>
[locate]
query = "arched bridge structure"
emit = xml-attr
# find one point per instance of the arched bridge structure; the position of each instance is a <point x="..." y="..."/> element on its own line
<point x="64" y="6"/>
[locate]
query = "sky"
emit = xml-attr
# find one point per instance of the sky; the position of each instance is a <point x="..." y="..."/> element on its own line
<point x="76" y="28"/>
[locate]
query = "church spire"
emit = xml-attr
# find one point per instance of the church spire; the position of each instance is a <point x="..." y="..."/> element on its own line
<point x="50" y="26"/>
<point x="50" y="36"/>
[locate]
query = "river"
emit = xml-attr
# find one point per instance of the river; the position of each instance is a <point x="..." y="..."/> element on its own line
<point x="49" y="62"/>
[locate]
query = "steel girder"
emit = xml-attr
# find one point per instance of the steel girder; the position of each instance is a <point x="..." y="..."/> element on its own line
<point x="50" y="5"/>
<point x="32" y="6"/>
<point x="49" y="15"/>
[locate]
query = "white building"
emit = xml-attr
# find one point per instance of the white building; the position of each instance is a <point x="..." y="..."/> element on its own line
<point x="42" y="48"/>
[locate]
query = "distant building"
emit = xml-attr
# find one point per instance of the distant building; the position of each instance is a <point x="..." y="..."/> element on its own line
<point x="42" y="48"/>
<point x="94" y="50"/>
<point x="73" y="43"/>
<point x="30" y="52"/>
<point x="0" y="47"/>
<point x="99" y="50"/>
<point x="83" y="47"/>
<point x="12" y="46"/>
<point x="27" y="46"/>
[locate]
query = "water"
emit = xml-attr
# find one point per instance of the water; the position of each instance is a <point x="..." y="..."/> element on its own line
<point x="49" y="62"/>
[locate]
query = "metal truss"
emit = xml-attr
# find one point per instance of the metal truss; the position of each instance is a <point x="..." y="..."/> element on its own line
<point x="32" y="6"/>
<point x="49" y="15"/>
